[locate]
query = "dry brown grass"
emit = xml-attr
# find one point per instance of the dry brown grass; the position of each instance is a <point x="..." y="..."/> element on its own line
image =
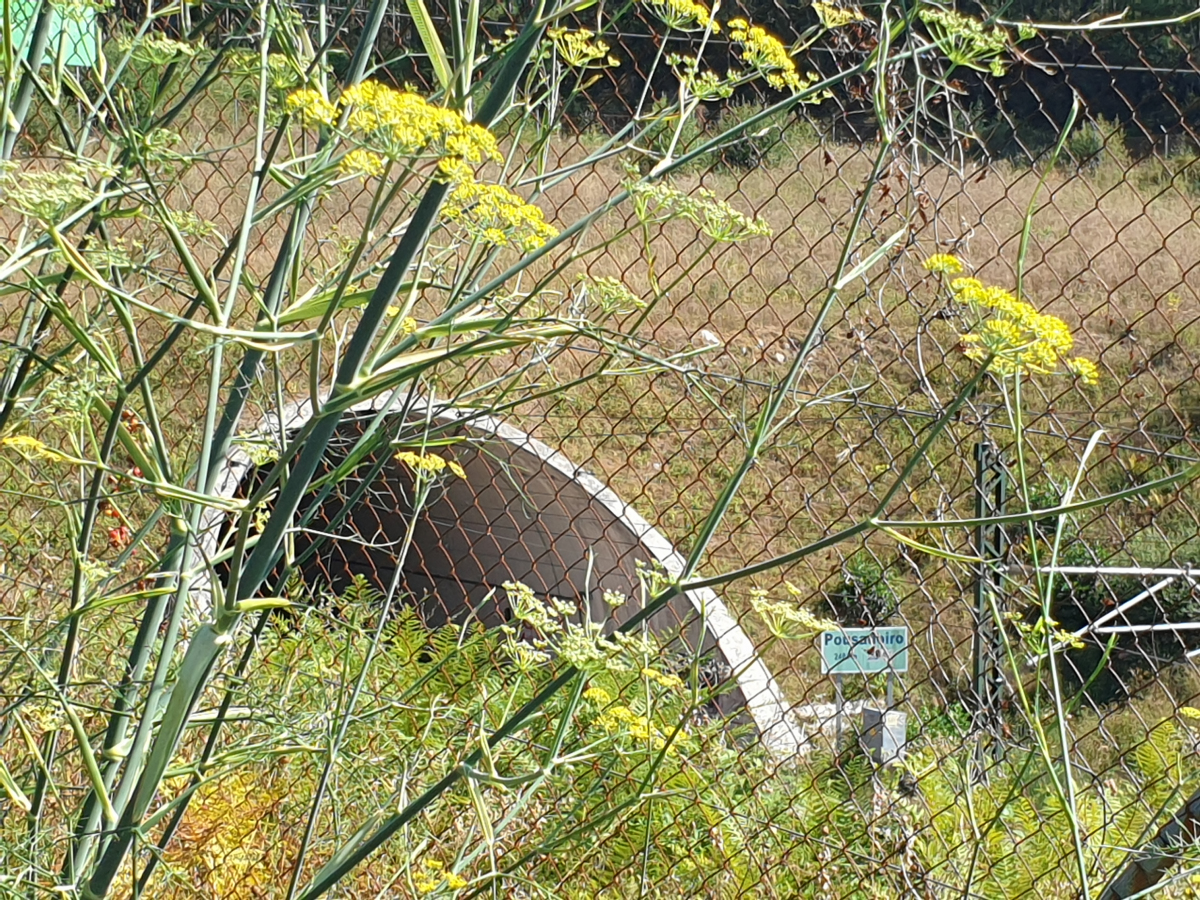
<point x="1111" y="253"/>
<point x="1111" y="257"/>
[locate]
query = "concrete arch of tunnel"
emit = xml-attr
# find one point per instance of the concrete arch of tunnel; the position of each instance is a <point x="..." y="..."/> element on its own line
<point x="524" y="513"/>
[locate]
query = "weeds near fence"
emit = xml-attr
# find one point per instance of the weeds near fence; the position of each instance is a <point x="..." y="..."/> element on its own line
<point x="185" y="711"/>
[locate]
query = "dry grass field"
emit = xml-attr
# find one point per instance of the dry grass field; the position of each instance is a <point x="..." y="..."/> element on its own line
<point x="1113" y="251"/>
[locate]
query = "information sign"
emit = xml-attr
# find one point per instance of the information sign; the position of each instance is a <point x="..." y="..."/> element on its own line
<point x="864" y="651"/>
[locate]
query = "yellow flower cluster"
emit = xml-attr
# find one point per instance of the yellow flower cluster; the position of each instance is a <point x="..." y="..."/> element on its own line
<point x="48" y="195"/>
<point x="614" y="599"/>
<point x="497" y="216"/>
<point x="582" y="644"/>
<point x="1085" y="369"/>
<point x="683" y="15"/>
<point x="1023" y="340"/>
<point x="155" y="48"/>
<point x="1045" y="628"/>
<point x="663" y="679"/>
<point x="398" y="124"/>
<point x="835" y="17"/>
<point x="610" y="295"/>
<point x="623" y="720"/>
<point x="525" y="606"/>
<point x="362" y="163"/>
<point x="311" y="106"/>
<point x="434" y="875"/>
<point x="597" y="695"/>
<point x="191" y="224"/>
<point x="406" y="124"/>
<point x="578" y="49"/>
<point x="943" y="264"/>
<point x="408" y="325"/>
<point x="429" y="464"/>
<point x="716" y="218"/>
<point x="704" y="85"/>
<point x="765" y="53"/>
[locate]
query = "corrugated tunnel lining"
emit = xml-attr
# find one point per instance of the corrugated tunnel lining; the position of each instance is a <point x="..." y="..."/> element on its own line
<point x="515" y="518"/>
<point x="524" y="513"/>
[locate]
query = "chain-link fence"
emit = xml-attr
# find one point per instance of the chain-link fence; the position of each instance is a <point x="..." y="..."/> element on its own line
<point x="890" y="757"/>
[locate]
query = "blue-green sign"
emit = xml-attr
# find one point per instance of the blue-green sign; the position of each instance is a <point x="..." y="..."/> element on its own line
<point x="864" y="651"/>
<point x="74" y="32"/>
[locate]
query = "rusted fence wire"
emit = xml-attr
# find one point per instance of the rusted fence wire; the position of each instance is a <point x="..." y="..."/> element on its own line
<point x="583" y="492"/>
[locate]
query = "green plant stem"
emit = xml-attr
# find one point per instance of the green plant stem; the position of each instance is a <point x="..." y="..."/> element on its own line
<point x="252" y="361"/>
<point x="206" y="754"/>
<point x="764" y="426"/>
<point x="204" y="650"/>
<point x="134" y="794"/>
<point x="16" y="112"/>
<point x="1031" y="210"/>
<point x="149" y="624"/>
<point x="1067" y="788"/>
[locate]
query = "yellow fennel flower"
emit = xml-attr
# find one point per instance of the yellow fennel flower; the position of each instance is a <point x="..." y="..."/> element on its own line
<point x="965" y="40"/>
<point x="429" y="464"/>
<point x="785" y="620"/>
<point x="454" y="171"/>
<point x="1051" y="331"/>
<point x="1002" y="335"/>
<point x="597" y="695"/>
<point x="943" y="264"/>
<point x="497" y="216"/>
<point x="362" y="163"/>
<point x="623" y="720"/>
<point x="968" y="290"/>
<point x="401" y="124"/>
<point x="663" y="679"/>
<point x="683" y="15"/>
<point x="767" y="55"/>
<point x="835" y="17"/>
<point x="433" y="876"/>
<point x="1085" y="369"/>
<point x="999" y="299"/>
<point x="579" y="50"/>
<point x="312" y="107"/>
<point x="661" y="202"/>
<point x="50" y="195"/>
<point x="31" y="446"/>
<point x="424" y="463"/>
<point x="1020" y="339"/>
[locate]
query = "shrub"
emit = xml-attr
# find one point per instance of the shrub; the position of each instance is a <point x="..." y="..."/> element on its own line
<point x="780" y="139"/>
<point x="777" y="141"/>
<point x="1094" y="142"/>
<point x="866" y="594"/>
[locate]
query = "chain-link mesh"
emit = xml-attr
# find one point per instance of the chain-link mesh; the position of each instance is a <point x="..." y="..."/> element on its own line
<point x="569" y="494"/>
